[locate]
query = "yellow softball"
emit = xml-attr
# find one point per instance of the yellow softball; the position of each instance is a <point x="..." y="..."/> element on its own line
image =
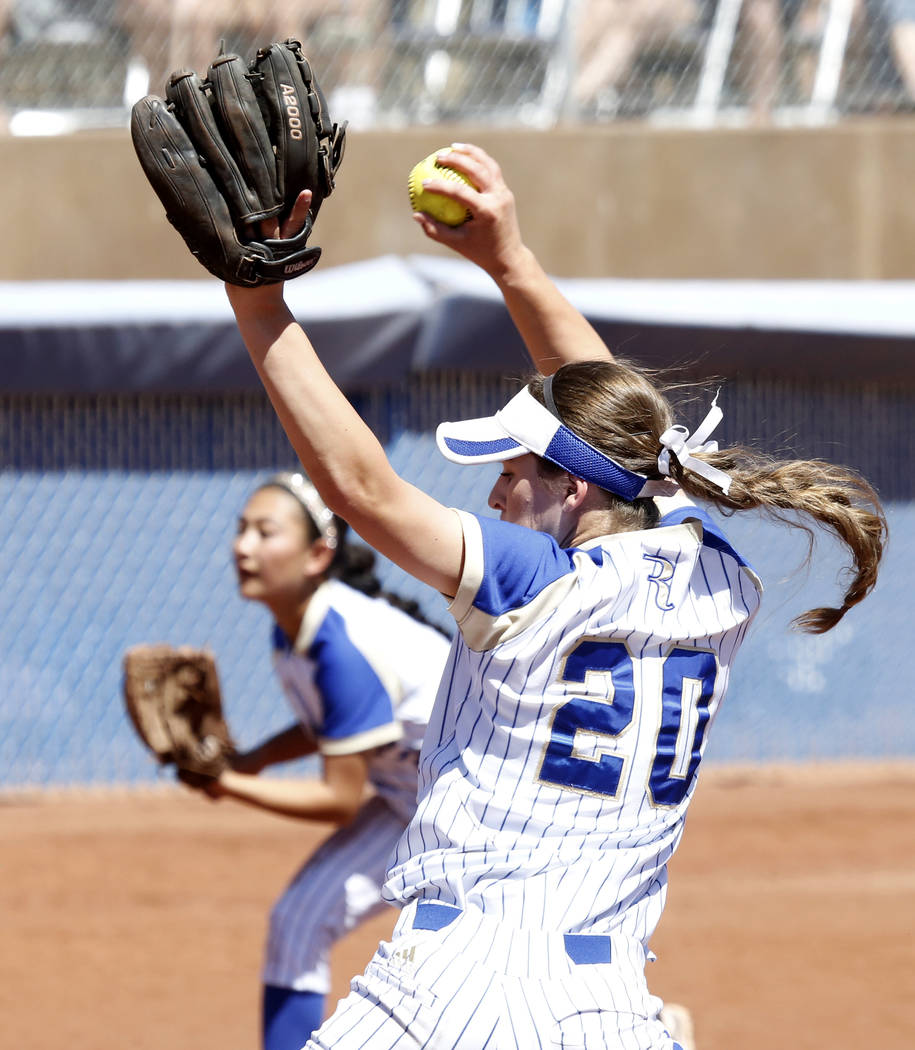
<point x="442" y="208"/>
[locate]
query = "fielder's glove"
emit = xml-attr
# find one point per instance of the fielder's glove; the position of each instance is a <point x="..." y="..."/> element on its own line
<point x="173" y="700"/>
<point x="226" y="153"/>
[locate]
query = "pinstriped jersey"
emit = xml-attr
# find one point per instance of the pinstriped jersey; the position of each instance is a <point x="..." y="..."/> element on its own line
<point x="360" y="675"/>
<point x="573" y="713"/>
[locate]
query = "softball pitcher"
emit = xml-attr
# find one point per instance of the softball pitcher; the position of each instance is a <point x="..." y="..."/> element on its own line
<point x="598" y="621"/>
<point x="360" y="676"/>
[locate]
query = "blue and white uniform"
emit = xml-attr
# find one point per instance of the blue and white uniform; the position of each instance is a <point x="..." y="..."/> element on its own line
<point x="361" y="676"/>
<point x="554" y="780"/>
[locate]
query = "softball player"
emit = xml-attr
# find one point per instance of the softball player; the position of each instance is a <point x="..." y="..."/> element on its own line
<point x="598" y="621"/>
<point x="360" y="676"/>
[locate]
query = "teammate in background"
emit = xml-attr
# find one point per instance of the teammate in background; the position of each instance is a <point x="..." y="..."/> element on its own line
<point x="598" y="621"/>
<point x="361" y="677"/>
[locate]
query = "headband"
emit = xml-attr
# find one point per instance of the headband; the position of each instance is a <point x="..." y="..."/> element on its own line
<point x="297" y="485"/>
<point x="524" y="425"/>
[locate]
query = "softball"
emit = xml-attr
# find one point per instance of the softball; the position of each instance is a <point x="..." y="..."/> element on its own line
<point x="442" y="208"/>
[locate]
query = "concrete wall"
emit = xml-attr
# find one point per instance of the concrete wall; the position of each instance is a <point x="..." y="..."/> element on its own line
<point x="627" y="201"/>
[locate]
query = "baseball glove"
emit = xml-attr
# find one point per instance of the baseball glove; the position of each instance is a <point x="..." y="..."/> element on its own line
<point x="228" y="152"/>
<point x="173" y="700"/>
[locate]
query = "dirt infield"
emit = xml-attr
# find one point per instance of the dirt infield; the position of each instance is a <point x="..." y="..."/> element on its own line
<point x="135" y="921"/>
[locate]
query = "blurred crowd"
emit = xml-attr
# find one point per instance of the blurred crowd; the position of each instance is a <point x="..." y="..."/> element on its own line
<point x="773" y="53"/>
<point x="611" y="59"/>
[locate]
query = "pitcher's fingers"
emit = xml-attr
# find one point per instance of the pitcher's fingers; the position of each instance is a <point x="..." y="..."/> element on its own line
<point x="296" y="218"/>
<point x="454" y="189"/>
<point x="437" y="231"/>
<point x="474" y="162"/>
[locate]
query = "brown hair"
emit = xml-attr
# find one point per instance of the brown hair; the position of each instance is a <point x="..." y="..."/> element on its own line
<point x="622" y="410"/>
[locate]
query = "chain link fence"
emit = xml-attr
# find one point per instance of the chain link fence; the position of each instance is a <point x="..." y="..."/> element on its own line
<point x="69" y="64"/>
<point x="119" y="513"/>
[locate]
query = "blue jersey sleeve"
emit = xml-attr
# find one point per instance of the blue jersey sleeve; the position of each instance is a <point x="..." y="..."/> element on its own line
<point x="355" y="699"/>
<point x="518" y="563"/>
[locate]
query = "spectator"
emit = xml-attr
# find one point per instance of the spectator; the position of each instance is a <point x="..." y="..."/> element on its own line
<point x="609" y="36"/>
<point x="900" y="16"/>
<point x="763" y="24"/>
<point x="784" y="37"/>
<point x="193" y="29"/>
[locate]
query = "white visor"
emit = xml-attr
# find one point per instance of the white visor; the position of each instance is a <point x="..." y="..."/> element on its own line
<point x="512" y="431"/>
<point x="524" y="425"/>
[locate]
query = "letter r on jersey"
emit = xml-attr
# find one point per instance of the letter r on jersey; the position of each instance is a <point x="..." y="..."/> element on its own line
<point x="661" y="575"/>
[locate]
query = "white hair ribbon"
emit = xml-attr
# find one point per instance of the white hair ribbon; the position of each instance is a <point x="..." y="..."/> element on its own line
<point x="678" y="440"/>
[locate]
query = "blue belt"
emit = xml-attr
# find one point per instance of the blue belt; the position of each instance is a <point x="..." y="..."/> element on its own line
<point x="580" y="947"/>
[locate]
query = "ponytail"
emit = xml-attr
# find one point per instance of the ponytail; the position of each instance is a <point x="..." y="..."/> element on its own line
<point x="620" y="410"/>
<point x="838" y="499"/>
